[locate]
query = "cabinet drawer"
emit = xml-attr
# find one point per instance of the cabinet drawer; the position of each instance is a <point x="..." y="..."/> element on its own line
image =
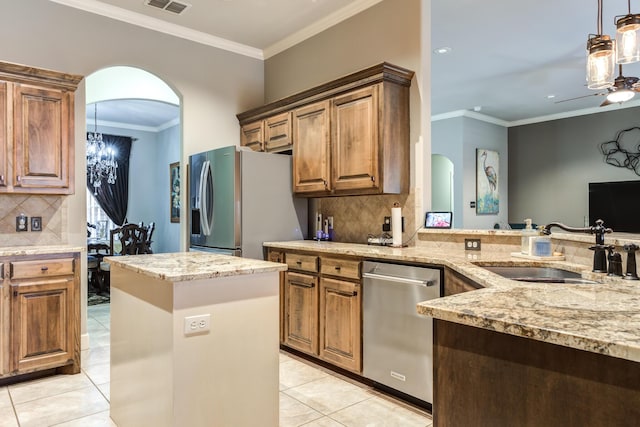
<point x="339" y="267"/>
<point x="41" y="268"/>
<point x="302" y="262"/>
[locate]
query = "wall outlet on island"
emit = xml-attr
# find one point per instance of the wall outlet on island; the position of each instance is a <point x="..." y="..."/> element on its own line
<point x="197" y="324"/>
<point x="471" y="244"/>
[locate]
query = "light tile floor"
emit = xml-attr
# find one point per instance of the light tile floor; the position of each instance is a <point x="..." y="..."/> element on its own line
<point x="309" y="396"/>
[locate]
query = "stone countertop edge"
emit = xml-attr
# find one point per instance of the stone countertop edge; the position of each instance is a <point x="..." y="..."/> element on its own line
<point x="602" y="318"/>
<point x="618" y="239"/>
<point x="187" y="266"/>
<point x="39" y="250"/>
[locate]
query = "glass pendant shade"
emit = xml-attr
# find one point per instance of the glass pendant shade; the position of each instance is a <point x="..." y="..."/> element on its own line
<point x="600" y="62"/>
<point x="628" y="39"/>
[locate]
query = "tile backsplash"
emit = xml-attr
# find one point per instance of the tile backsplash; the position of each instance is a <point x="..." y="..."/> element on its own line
<point x="52" y="209"/>
<point x="355" y="217"/>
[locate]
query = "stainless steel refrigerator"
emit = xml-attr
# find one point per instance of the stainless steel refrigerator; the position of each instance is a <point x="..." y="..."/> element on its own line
<point x="240" y="199"/>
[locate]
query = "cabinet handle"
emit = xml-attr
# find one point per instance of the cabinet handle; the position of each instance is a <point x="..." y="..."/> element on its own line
<point x="338" y="268"/>
<point x="325" y="183"/>
<point x="343" y="293"/>
<point x="2" y="179"/>
<point x="18" y="178"/>
<point x="373" y="178"/>
<point x="44" y="268"/>
<point x="299" y="262"/>
<point x="301" y="284"/>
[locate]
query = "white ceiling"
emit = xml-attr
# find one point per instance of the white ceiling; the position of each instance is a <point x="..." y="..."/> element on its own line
<point x="506" y="56"/>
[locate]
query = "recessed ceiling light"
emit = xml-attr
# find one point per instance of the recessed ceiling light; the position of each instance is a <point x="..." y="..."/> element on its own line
<point x="551" y="96"/>
<point x="442" y="50"/>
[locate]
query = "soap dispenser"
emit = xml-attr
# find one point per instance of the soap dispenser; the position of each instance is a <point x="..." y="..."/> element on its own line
<point x="527" y="233"/>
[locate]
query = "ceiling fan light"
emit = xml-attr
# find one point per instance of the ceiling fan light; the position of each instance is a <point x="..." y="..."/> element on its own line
<point x="600" y="62"/>
<point x="628" y="39"/>
<point x="620" y="95"/>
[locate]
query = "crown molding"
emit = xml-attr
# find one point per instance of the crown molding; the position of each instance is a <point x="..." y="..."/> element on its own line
<point x="319" y="26"/>
<point x="90" y="123"/>
<point x="470" y="114"/>
<point x="134" y="18"/>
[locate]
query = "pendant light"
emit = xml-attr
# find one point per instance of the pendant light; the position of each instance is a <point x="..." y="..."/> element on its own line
<point x="600" y="57"/>
<point x="628" y="37"/>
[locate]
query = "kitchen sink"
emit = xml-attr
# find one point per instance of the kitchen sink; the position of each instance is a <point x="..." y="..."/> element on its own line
<point x="537" y="274"/>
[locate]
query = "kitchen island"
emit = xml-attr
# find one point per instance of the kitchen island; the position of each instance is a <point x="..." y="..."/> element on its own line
<point x="194" y="340"/>
<point x="517" y="353"/>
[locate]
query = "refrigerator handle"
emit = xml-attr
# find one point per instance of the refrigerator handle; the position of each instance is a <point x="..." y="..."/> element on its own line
<point x="204" y="215"/>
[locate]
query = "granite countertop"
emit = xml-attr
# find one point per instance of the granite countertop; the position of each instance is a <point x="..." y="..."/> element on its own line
<point x="184" y="266"/>
<point x="602" y="318"/>
<point x="38" y="250"/>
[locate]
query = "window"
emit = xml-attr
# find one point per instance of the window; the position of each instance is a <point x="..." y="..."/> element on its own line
<point x="97" y="217"/>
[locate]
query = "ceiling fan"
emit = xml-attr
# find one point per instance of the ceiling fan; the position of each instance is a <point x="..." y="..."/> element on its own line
<point x="623" y="89"/>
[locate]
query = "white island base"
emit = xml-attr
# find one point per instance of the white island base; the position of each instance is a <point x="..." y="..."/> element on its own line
<point x="227" y="376"/>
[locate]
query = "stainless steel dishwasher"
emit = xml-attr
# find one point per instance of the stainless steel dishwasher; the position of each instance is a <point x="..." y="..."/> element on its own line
<point x="397" y="342"/>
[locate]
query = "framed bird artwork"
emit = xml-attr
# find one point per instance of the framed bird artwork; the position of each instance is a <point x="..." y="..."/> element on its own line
<point x="487" y="173"/>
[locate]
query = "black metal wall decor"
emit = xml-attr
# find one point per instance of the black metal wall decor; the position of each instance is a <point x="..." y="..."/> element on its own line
<point x="624" y="151"/>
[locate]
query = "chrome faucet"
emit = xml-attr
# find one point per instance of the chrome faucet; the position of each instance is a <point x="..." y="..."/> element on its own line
<point x="600" y="249"/>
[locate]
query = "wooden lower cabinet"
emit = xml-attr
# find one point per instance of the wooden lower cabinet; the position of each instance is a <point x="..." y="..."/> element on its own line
<point x="301" y="312"/>
<point x="322" y="308"/>
<point x="40" y="314"/>
<point x="340" y="323"/>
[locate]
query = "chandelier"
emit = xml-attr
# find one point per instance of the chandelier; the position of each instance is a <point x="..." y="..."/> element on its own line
<point x="603" y="53"/>
<point x="101" y="162"/>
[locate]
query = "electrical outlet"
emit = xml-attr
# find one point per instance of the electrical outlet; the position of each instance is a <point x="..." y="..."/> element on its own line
<point x="197" y="324"/>
<point x="471" y="244"/>
<point x="386" y="226"/>
<point x="21" y="222"/>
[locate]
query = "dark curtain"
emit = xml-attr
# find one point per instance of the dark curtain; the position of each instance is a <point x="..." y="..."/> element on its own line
<point x="113" y="198"/>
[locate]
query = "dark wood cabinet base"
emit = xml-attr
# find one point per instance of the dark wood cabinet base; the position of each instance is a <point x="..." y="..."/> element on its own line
<point x="485" y="378"/>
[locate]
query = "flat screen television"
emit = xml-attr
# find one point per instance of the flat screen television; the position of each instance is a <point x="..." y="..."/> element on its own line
<point x="617" y="204"/>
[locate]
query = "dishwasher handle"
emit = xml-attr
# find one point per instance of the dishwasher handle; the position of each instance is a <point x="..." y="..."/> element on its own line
<point x="400" y="279"/>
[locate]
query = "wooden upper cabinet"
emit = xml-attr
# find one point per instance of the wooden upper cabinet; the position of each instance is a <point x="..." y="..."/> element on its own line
<point x="278" y="130"/>
<point x="349" y="136"/>
<point x="252" y="136"/>
<point x="311" y="155"/>
<point x="36" y="130"/>
<point x="41" y="138"/>
<point x="354" y="141"/>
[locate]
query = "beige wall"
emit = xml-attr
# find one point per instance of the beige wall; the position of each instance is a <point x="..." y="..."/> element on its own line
<point x="389" y="31"/>
<point x="213" y="86"/>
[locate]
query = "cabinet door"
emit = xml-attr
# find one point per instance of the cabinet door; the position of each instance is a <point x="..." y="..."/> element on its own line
<point x="341" y="323"/>
<point x="252" y="136"/>
<point x="4" y="136"/>
<point x="277" y="133"/>
<point x="354" y="142"/>
<point x="41" y="315"/>
<point x="43" y="140"/>
<point x="301" y="312"/>
<point x="311" y="156"/>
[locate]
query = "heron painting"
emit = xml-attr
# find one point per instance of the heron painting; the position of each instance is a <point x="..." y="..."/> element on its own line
<point x="487" y="173"/>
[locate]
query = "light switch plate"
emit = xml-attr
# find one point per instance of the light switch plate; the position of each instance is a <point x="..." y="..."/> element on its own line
<point x="36" y="223"/>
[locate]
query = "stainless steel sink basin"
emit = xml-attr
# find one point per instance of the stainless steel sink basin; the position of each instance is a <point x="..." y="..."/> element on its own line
<point x="537" y="274"/>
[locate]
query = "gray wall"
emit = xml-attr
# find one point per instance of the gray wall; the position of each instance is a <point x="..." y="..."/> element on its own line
<point x="457" y="139"/>
<point x="151" y="154"/>
<point x="551" y="164"/>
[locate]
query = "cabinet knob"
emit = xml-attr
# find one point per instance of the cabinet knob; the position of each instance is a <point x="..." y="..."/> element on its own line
<point x="299" y="262"/>
<point x="18" y="178"/>
<point x="325" y="183"/>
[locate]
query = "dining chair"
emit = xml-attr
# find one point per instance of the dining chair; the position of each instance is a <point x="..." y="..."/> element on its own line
<point x="130" y="239"/>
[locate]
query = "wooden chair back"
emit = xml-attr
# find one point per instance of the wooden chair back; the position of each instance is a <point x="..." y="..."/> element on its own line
<point x="132" y="239"/>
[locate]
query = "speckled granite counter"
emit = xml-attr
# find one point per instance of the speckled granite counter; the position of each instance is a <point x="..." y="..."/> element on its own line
<point x="183" y="266"/>
<point x="601" y="318"/>
<point x="38" y="250"/>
